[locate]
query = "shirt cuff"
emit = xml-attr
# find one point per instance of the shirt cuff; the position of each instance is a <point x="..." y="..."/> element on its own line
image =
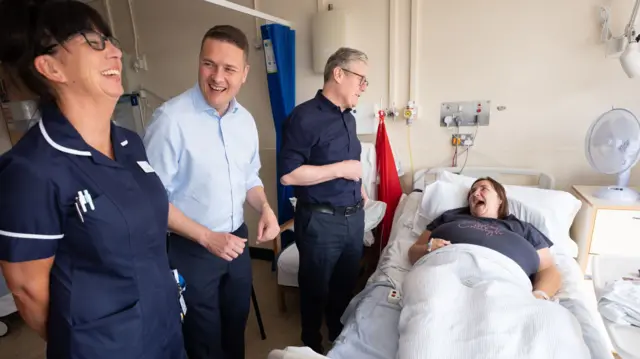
<point x="255" y="182"/>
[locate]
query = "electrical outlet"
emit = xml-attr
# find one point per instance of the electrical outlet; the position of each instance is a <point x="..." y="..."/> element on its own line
<point x="468" y="113"/>
<point x="140" y="63"/>
<point x="462" y="139"/>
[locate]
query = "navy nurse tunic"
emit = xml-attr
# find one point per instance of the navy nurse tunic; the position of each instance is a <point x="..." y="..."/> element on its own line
<point x="112" y="293"/>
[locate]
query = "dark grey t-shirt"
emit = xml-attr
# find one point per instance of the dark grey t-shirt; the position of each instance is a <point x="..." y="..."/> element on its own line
<point x="512" y="237"/>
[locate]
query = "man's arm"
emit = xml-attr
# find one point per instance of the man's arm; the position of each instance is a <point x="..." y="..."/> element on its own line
<point x="163" y="144"/>
<point x="268" y="227"/>
<point x="307" y="175"/>
<point x="185" y="226"/>
<point x="293" y="159"/>
<point x="254" y="186"/>
<point x="548" y="278"/>
<point x="257" y="199"/>
<point x="223" y="245"/>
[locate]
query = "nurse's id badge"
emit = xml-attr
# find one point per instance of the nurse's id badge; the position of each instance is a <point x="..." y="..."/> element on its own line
<point x="182" y="286"/>
<point x="146" y="167"/>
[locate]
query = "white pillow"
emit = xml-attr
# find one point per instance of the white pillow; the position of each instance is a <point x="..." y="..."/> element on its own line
<point x="558" y="208"/>
<point x="438" y="197"/>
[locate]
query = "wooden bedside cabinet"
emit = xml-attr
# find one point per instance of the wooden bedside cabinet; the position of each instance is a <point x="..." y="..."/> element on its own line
<point x="604" y="227"/>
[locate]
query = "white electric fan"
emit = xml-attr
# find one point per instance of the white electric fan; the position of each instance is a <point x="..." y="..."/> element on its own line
<point x="612" y="146"/>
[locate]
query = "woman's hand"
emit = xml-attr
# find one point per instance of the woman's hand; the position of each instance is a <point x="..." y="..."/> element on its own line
<point x="438" y="243"/>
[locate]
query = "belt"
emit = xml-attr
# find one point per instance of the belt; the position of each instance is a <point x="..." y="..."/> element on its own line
<point x="335" y="210"/>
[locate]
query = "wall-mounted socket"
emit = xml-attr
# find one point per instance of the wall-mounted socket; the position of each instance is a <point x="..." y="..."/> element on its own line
<point x="467" y="113"/>
<point x="140" y="64"/>
<point x="462" y="139"/>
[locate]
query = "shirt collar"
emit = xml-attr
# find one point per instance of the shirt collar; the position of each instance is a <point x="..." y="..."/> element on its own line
<point x="325" y="104"/>
<point x="201" y="105"/>
<point x="61" y="135"/>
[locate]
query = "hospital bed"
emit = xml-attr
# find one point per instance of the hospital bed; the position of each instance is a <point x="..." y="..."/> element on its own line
<point x="372" y="318"/>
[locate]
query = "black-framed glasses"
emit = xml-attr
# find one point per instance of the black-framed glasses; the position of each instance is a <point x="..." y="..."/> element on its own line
<point x="363" y="79"/>
<point x="96" y="40"/>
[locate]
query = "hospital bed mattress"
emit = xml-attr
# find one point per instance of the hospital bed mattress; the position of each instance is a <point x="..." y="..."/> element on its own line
<point x="371" y="320"/>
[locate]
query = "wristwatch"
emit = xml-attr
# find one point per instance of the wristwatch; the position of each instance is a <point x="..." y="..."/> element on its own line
<point x="544" y="295"/>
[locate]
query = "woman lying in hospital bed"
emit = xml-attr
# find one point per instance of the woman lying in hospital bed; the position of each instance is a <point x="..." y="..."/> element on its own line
<point x="486" y="222"/>
<point x="481" y="286"/>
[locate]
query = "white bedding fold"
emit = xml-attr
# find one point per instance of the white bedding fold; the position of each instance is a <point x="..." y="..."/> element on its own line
<point x="469" y="302"/>
<point x="620" y="302"/>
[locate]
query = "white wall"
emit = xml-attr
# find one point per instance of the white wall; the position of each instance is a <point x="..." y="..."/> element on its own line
<point x="540" y="59"/>
<point x="5" y="141"/>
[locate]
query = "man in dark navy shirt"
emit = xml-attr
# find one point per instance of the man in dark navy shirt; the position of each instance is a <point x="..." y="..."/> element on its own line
<point x="320" y="157"/>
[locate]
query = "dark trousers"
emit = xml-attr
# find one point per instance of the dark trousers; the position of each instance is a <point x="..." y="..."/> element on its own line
<point x="218" y="297"/>
<point x="330" y="249"/>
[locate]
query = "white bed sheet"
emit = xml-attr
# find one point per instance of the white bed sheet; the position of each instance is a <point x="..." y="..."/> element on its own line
<point x="394" y="265"/>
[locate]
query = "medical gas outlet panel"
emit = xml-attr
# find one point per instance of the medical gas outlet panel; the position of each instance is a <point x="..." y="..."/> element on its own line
<point x="467" y="113"/>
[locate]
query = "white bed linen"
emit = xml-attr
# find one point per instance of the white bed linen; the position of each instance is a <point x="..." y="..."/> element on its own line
<point x="484" y="300"/>
<point x="394" y="265"/>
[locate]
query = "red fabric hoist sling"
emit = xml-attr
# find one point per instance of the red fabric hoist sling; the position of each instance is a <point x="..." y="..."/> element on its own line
<point x="389" y="189"/>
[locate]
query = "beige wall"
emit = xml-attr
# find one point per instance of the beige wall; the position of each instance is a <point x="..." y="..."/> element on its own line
<point x="540" y="59"/>
<point x="5" y="141"/>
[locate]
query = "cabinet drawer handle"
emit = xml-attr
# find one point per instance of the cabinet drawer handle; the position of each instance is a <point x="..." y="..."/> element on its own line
<point x="635" y="217"/>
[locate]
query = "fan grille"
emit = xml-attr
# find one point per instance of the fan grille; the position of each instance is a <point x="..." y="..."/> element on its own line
<point x="613" y="142"/>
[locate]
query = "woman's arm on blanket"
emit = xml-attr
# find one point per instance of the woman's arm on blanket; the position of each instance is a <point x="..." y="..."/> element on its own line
<point x="548" y="278"/>
<point x="419" y="248"/>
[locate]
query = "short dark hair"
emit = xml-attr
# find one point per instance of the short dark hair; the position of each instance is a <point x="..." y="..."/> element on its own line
<point x="503" y="211"/>
<point x="230" y="34"/>
<point x="28" y="27"/>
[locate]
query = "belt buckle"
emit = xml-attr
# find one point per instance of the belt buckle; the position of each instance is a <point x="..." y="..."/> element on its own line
<point x="350" y="210"/>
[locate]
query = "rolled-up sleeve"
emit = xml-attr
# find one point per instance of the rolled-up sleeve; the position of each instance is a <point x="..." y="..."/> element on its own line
<point x="253" y="171"/>
<point x="30" y="215"/>
<point x="163" y="142"/>
<point x="296" y="145"/>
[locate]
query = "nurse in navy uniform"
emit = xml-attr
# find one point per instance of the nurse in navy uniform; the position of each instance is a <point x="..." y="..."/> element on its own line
<point x="83" y="217"/>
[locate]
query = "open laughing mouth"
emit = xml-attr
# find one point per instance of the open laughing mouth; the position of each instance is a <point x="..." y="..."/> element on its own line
<point x="111" y="73"/>
<point x="218" y="89"/>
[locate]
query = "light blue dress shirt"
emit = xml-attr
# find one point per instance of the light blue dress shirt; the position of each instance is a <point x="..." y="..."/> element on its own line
<point x="206" y="162"/>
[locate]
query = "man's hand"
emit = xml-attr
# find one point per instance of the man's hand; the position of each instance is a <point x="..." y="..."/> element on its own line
<point x="351" y="170"/>
<point x="224" y="245"/>
<point x="268" y="227"/>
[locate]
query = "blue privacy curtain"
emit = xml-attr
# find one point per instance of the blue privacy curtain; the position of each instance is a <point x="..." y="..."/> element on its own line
<point x="279" y="44"/>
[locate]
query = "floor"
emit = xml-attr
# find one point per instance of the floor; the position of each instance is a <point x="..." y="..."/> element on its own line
<point x="282" y="329"/>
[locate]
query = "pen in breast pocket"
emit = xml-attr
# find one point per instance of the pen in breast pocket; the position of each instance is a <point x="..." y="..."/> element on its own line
<point x="82" y="201"/>
<point x="87" y="196"/>
<point x="79" y="212"/>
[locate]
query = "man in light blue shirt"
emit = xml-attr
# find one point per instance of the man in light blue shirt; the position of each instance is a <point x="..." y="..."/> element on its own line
<point x="204" y="147"/>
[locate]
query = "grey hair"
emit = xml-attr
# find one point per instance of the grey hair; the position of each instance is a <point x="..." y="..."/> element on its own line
<point x="341" y="58"/>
